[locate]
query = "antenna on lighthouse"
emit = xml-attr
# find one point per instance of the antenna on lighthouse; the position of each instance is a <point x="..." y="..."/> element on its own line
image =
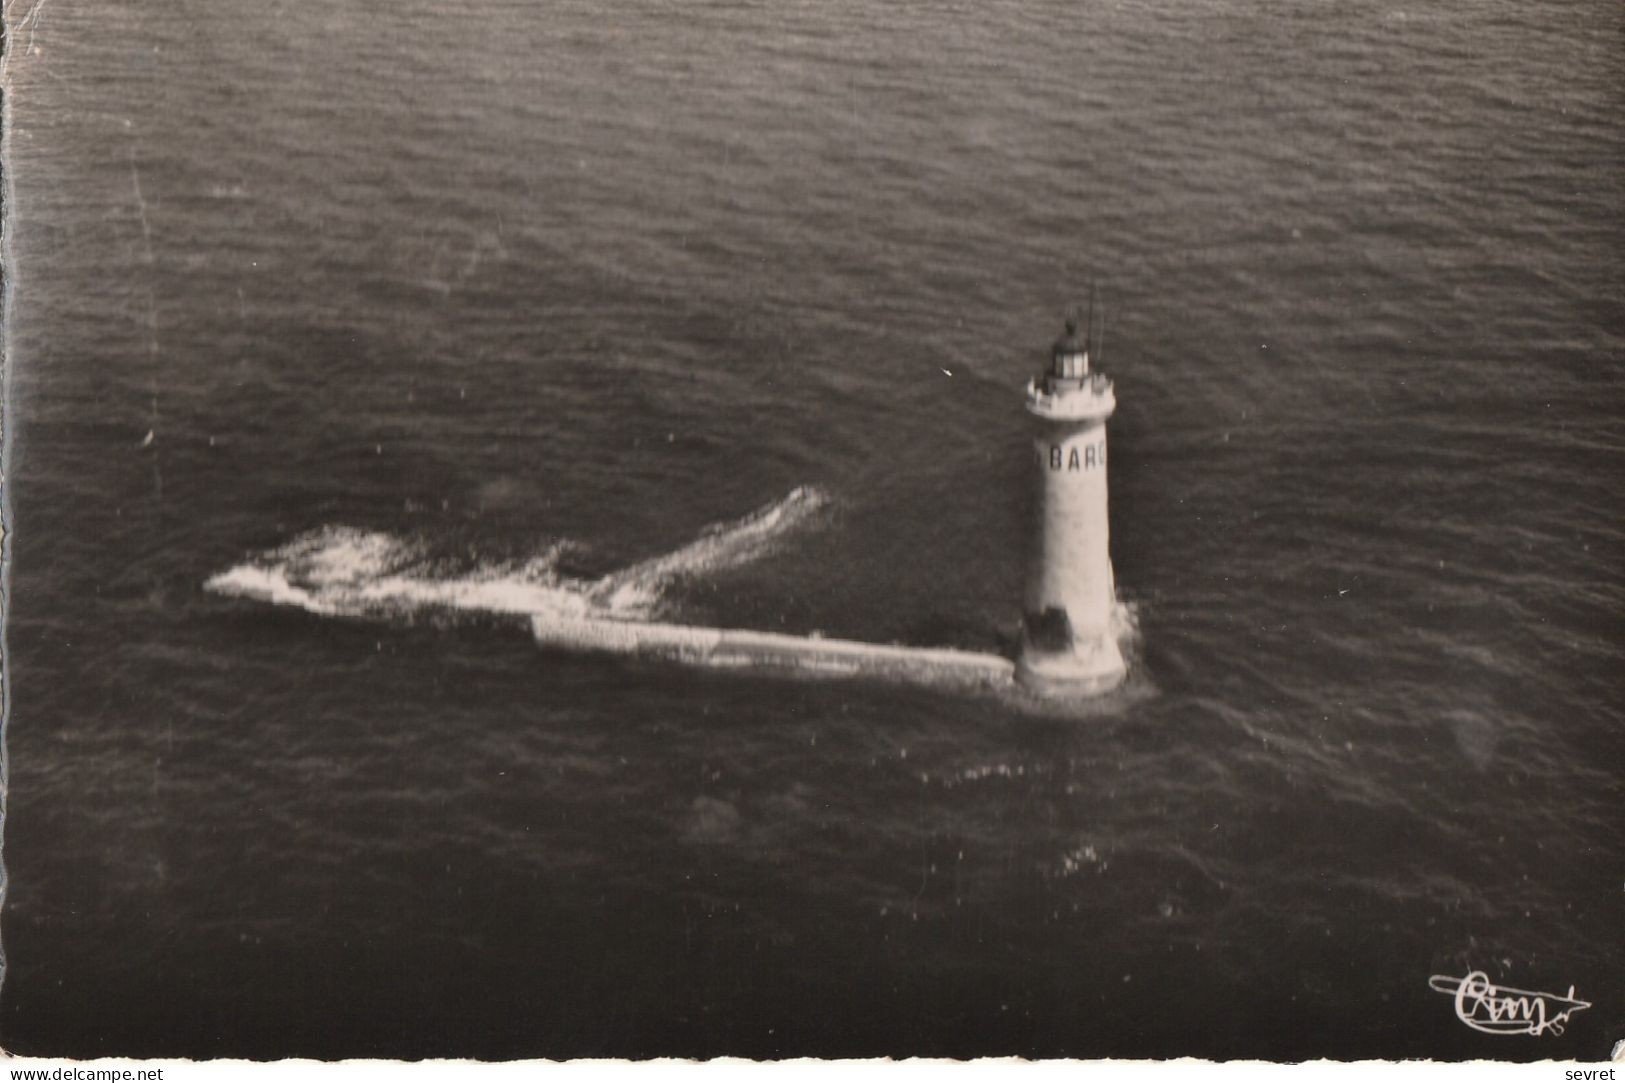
<point x="1097" y="325"/>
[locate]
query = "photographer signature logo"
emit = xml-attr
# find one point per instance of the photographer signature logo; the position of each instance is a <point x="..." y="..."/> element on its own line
<point x="1497" y="1009"/>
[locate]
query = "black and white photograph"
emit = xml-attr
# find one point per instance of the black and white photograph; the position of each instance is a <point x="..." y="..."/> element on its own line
<point x="773" y="529"/>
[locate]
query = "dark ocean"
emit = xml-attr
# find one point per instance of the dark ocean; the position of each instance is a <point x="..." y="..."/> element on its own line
<point x="403" y="310"/>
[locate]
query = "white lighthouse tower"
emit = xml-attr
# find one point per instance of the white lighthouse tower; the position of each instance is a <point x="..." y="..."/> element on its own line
<point x="1068" y="644"/>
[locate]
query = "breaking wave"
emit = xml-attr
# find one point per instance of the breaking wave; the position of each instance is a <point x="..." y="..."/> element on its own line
<point x="725" y="545"/>
<point x="343" y="571"/>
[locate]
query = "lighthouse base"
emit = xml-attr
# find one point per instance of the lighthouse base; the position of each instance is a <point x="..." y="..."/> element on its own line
<point x="1090" y="667"/>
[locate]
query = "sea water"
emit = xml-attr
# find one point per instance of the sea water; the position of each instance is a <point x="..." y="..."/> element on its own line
<point x="424" y="316"/>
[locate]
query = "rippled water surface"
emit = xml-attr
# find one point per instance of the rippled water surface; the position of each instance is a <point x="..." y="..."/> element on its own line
<point x="416" y="316"/>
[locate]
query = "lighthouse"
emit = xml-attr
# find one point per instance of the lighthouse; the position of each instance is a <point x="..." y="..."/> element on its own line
<point x="1068" y="644"/>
